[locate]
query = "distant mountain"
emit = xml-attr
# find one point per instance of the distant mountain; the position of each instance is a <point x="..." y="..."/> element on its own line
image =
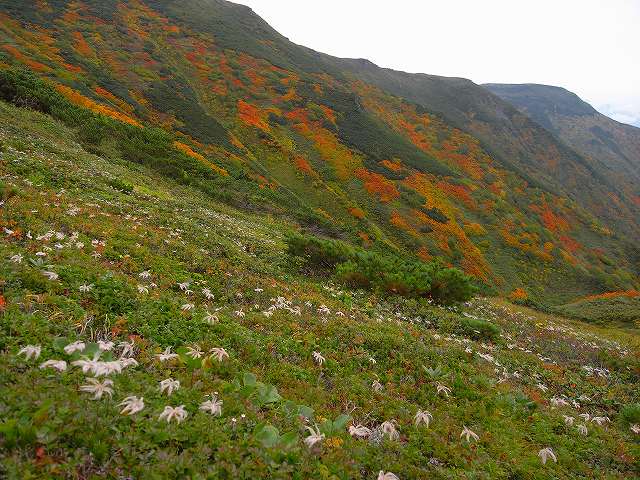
<point x="423" y="165"/>
<point x="613" y="148"/>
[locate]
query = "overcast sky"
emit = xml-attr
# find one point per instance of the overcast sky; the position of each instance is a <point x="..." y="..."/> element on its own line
<point x="591" y="47"/>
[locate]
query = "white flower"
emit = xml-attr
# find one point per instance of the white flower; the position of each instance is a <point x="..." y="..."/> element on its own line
<point x="59" y="365"/>
<point x="545" y="454"/>
<point x="30" y="351"/>
<point x="211" y="318"/>
<point x="422" y="417"/>
<point x="146" y="274"/>
<point x="213" y="406"/>
<point x="443" y="389"/>
<point x="314" y="437"/>
<point x="542" y="387"/>
<point x="187" y="307"/>
<point x="389" y="428"/>
<point x="635" y="428"/>
<point x="387" y="476"/>
<point x="98" y="388"/>
<point x="259" y="290"/>
<point x="77" y="346"/>
<point x="583" y="429"/>
<point x="169" y="385"/>
<point x="50" y="275"/>
<point x="169" y="413"/>
<point x="86" y="288"/>
<point x="319" y="359"/>
<point x="88" y="365"/>
<point x="183" y="286"/>
<point x="600" y="420"/>
<point x="372" y="361"/>
<point x="207" y="293"/>
<point x="568" y="420"/>
<point x="17" y="258"/>
<point x="359" y="431"/>
<point x="166" y="355"/>
<point x="132" y="405"/>
<point x="127" y="362"/>
<point x="239" y="313"/>
<point x="127" y="348"/>
<point x="585" y="416"/>
<point x="468" y="434"/>
<point x="559" y="402"/>
<point x="105" y="346"/>
<point x="377" y="386"/>
<point x="195" y="352"/>
<point x="143" y="289"/>
<point x="219" y="353"/>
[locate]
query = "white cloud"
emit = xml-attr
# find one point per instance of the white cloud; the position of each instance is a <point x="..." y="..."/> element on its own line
<point x="587" y="46"/>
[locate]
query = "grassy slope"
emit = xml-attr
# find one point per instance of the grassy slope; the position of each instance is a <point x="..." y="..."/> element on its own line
<point x="49" y="428"/>
<point x="623" y="311"/>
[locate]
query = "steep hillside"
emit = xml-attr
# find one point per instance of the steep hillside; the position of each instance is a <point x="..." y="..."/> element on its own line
<point x="611" y="147"/>
<point x="423" y="166"/>
<point x="148" y="331"/>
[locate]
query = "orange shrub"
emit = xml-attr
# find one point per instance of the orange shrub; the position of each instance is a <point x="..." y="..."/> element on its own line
<point x="604" y="296"/>
<point x="460" y="192"/>
<point x="81" y="45"/>
<point x="304" y="166"/>
<point x="18" y="55"/>
<point x="193" y="154"/>
<point x="77" y="98"/>
<point x="357" y="212"/>
<point x="377" y="184"/>
<point x="519" y="294"/>
<point x="394" y="165"/>
<point x="251" y="115"/>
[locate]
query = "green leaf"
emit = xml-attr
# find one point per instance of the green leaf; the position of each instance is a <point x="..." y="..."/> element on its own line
<point x="249" y="379"/>
<point x="340" y="423"/>
<point x="59" y="343"/>
<point x="90" y="349"/>
<point x="305" y="411"/>
<point x="326" y="427"/>
<point x="269" y="394"/>
<point x="289" y="440"/>
<point x="267" y="435"/>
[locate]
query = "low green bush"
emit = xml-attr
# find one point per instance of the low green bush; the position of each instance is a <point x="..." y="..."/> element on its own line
<point x="474" y="328"/>
<point x="389" y="274"/>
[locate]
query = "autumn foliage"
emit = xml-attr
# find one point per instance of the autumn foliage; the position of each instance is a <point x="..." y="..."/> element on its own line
<point x="77" y="98"/>
<point x="378" y="185"/>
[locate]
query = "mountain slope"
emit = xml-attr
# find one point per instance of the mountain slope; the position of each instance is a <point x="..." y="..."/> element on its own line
<point x="100" y="249"/>
<point x="424" y="166"/>
<point x="611" y="147"/>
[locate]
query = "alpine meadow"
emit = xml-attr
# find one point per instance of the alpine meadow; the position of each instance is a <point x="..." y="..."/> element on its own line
<point x="224" y="255"/>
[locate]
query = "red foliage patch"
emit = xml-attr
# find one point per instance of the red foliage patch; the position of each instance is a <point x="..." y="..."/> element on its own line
<point x="251" y="115"/>
<point x="377" y="184"/>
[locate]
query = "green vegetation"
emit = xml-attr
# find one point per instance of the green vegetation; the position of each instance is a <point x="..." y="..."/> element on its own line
<point x="622" y="311"/>
<point x="386" y="273"/>
<point x="270" y="320"/>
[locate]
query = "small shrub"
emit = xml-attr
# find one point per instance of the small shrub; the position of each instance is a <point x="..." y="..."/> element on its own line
<point x="121" y="186"/>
